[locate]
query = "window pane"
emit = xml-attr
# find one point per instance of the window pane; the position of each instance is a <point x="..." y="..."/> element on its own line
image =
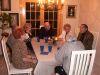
<point x="37" y="24"/>
<point x="33" y="24"/>
<point x="46" y="15"/>
<point x="27" y="6"/>
<point x="55" y="24"/>
<point x="27" y="21"/>
<point x="27" y="15"/>
<point x="51" y="15"/>
<point x="55" y="32"/>
<point x="37" y="15"/>
<point x="37" y="32"/>
<point x="33" y="32"/>
<point x="51" y="23"/>
<point x="33" y="6"/>
<point x="55" y="15"/>
<point x="32" y="15"/>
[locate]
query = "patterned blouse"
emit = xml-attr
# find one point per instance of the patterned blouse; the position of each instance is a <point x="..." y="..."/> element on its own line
<point x="18" y="53"/>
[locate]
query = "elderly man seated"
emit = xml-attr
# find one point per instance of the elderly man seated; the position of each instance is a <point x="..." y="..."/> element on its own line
<point x="46" y="31"/>
<point x="86" y="37"/>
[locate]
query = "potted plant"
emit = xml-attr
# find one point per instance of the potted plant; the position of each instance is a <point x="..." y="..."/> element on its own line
<point x="5" y="19"/>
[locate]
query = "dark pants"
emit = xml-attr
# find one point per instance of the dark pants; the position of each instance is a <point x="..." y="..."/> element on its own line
<point x="60" y="70"/>
<point x="29" y="45"/>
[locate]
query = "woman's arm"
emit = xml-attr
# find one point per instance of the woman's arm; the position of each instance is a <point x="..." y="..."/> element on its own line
<point x="30" y="60"/>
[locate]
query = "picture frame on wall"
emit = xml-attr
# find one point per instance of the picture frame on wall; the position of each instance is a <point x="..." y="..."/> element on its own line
<point x="5" y="5"/>
<point x="0" y="24"/>
<point x="71" y="11"/>
<point x="0" y="5"/>
<point x="14" y="19"/>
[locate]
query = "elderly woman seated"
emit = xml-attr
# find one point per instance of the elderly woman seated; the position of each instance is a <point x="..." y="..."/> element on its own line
<point x="21" y="58"/>
<point x="28" y="35"/>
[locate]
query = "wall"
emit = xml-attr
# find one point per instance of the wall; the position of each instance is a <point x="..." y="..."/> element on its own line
<point x="73" y="21"/>
<point x="14" y="9"/>
<point x="90" y="14"/>
<point x="15" y="6"/>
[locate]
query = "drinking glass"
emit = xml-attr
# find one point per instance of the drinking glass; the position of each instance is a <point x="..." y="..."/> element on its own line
<point x="49" y="48"/>
<point x="41" y="49"/>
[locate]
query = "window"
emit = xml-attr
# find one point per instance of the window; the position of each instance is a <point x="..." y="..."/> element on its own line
<point x="33" y="16"/>
<point x="51" y="17"/>
<point x="34" y="13"/>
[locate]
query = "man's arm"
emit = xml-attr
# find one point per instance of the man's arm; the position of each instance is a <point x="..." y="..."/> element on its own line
<point x="41" y="33"/>
<point x="89" y="43"/>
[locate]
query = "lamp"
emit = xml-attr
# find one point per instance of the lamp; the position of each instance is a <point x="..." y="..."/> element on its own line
<point x="51" y="4"/>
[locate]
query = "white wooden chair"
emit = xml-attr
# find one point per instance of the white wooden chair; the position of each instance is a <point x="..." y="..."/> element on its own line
<point x="10" y="67"/>
<point x="0" y="40"/>
<point x="96" y="36"/>
<point x="82" y="62"/>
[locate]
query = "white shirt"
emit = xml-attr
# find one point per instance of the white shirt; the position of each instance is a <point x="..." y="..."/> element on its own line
<point x="25" y="36"/>
<point x="41" y="26"/>
<point x="63" y="35"/>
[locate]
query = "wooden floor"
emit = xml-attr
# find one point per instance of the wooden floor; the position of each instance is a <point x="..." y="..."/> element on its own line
<point x="96" y="70"/>
<point x="3" y="69"/>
